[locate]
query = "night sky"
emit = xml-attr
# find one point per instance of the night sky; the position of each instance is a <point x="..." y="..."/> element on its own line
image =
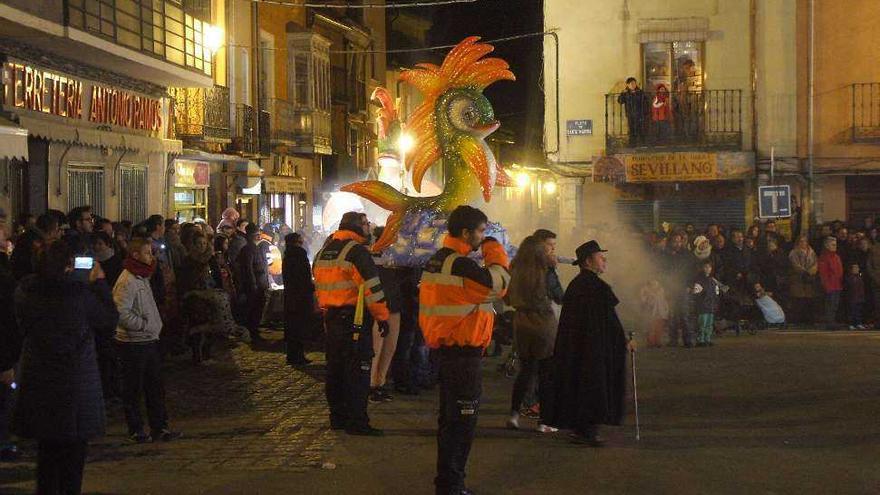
<point x="518" y="105"/>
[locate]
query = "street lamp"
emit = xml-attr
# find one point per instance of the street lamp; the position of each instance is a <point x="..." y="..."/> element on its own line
<point x="550" y="187"/>
<point x="405" y="143"/>
<point x="212" y="38"/>
<point x="523" y="179"/>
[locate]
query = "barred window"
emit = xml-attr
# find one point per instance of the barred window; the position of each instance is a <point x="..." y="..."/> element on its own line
<point x="133" y="194"/>
<point x="85" y="186"/>
<point x="13" y="184"/>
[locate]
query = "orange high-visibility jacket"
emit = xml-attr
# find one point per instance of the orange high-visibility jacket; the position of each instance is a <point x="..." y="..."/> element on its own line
<point x="341" y="266"/>
<point x="456" y="294"/>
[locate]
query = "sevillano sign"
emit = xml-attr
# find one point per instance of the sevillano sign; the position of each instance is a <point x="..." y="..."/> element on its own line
<point x="671" y="167"/>
<point x="34" y="89"/>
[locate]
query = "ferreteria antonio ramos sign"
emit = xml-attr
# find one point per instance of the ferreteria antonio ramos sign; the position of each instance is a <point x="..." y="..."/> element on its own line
<point x="30" y="88"/>
<point x="671" y="167"/>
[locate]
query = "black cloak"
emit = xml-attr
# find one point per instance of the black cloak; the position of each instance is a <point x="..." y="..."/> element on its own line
<point x="590" y="358"/>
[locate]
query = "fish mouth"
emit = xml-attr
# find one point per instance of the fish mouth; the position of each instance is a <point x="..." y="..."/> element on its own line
<point x="486" y="129"/>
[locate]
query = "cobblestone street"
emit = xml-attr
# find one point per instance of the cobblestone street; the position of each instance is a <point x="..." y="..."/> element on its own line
<point x="780" y="412"/>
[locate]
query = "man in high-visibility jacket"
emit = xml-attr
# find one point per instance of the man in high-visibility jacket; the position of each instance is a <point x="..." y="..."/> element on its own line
<point x="344" y="273"/>
<point x="456" y="317"/>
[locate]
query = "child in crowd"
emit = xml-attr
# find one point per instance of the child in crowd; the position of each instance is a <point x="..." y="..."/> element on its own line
<point x="772" y="311"/>
<point x="855" y="290"/>
<point x="706" y="292"/>
<point x="137" y="337"/>
<point x="656" y="312"/>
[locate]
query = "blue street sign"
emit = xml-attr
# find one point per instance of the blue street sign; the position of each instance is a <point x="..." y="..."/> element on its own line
<point x="774" y="201"/>
<point x="579" y="127"/>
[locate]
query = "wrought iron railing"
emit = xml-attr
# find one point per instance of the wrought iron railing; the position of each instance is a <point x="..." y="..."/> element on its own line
<point x="263" y="125"/>
<point x="866" y="112"/>
<point x="202" y="113"/>
<point x="245" y="139"/>
<point x="708" y="119"/>
<point x="165" y="29"/>
<point x="305" y="129"/>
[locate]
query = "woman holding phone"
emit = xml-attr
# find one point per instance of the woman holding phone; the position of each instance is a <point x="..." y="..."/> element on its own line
<point x="60" y="403"/>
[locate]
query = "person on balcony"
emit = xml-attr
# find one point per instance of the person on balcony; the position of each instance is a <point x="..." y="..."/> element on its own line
<point x="635" y="104"/>
<point x="688" y="101"/>
<point x="661" y="114"/>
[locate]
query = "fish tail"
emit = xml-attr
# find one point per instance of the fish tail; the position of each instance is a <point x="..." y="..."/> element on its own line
<point x="388" y="198"/>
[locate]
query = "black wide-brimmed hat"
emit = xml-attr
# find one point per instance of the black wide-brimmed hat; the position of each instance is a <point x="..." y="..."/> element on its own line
<point x="586" y="250"/>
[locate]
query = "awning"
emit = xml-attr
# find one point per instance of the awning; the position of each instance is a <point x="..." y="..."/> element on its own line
<point x="191" y="154"/>
<point x="247" y="175"/>
<point x="13" y="140"/>
<point x="85" y="136"/>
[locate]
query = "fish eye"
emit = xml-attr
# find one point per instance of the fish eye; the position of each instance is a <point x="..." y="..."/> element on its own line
<point x="463" y="113"/>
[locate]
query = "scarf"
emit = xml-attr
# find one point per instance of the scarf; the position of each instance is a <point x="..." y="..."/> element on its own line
<point x="805" y="259"/>
<point x="138" y="268"/>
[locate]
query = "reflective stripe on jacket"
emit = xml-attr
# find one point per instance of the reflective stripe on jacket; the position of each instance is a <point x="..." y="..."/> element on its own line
<point x="340" y="267"/>
<point x="456" y="295"/>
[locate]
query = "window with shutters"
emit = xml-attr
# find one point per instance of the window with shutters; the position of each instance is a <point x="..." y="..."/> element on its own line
<point x="13" y="184"/>
<point x="133" y="194"/>
<point x="85" y="186"/>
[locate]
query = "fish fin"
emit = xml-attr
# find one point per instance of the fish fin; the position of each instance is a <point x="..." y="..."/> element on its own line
<point x="474" y="155"/>
<point x="385" y="197"/>
<point x="503" y="179"/>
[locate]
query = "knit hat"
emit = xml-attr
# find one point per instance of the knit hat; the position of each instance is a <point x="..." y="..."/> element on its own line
<point x="702" y="247"/>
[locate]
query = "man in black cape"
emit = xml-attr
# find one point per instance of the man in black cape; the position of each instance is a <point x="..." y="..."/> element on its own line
<point x="590" y="355"/>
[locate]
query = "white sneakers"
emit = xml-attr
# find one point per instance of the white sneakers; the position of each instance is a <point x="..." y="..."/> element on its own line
<point x="513" y="424"/>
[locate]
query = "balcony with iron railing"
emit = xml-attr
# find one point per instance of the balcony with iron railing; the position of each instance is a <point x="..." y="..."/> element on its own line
<point x="202" y="114"/>
<point x="249" y="137"/>
<point x="866" y="112"/>
<point x="304" y="130"/>
<point x="695" y="120"/>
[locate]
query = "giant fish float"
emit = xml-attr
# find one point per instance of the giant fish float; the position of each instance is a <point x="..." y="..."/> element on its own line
<point x="451" y="124"/>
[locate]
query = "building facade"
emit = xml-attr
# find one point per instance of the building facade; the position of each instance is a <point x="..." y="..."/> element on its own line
<point x="838" y="100"/>
<point x="85" y="108"/>
<point x="719" y="82"/>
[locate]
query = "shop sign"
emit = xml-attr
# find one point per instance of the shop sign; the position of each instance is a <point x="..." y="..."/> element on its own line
<point x="285" y="185"/>
<point x="671" y="167"/>
<point x="122" y="108"/>
<point x="34" y="89"/>
<point x="188" y="173"/>
<point x="41" y="91"/>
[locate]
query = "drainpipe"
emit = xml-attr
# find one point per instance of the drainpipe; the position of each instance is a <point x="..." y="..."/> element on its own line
<point x="811" y="110"/>
<point x="753" y="58"/>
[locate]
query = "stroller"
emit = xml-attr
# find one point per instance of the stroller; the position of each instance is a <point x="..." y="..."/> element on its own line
<point x="738" y="306"/>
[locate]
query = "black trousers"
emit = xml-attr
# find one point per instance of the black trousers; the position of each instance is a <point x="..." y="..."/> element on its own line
<point x="530" y="371"/>
<point x="60" y="466"/>
<point x="108" y="364"/>
<point x="255" y="305"/>
<point x="6" y="397"/>
<point x="349" y="362"/>
<point x="296" y="326"/>
<point x="461" y="385"/>
<point x="142" y="375"/>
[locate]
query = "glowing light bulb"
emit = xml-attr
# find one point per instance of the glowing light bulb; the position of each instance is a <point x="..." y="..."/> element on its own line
<point x="405" y="143"/>
<point x="523" y="179"/>
<point x="212" y="38"/>
<point x="550" y="187"/>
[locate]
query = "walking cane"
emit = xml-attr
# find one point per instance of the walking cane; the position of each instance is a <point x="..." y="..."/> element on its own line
<point x="635" y="388"/>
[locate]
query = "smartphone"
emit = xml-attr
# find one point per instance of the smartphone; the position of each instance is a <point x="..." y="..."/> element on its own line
<point x="83" y="263"/>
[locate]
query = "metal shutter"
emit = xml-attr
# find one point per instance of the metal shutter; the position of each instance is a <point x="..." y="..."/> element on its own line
<point x="133" y="199"/>
<point x="639" y="214"/>
<point x="85" y="186"/>
<point x="701" y="212"/>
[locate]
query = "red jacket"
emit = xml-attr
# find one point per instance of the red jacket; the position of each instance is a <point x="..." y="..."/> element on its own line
<point x="831" y="271"/>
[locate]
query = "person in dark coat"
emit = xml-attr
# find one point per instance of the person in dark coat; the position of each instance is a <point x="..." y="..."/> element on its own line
<point x="678" y="268"/>
<point x="299" y="298"/>
<point x="10" y="348"/>
<point x="111" y="263"/>
<point x="636" y="105"/>
<point x="590" y="353"/>
<point x="60" y="402"/>
<point x="252" y="282"/>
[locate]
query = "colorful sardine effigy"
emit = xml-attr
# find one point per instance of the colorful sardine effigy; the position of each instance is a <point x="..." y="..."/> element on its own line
<point x="451" y="124"/>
